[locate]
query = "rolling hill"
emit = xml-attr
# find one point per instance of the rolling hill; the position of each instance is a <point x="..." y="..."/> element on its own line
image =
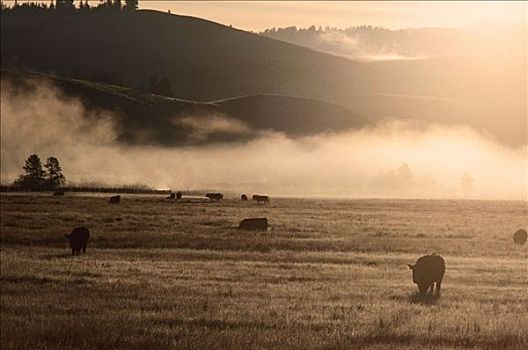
<point x="204" y="60"/>
<point x="160" y="120"/>
<point x="207" y="61"/>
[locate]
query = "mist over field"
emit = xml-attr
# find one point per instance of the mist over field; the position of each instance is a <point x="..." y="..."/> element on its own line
<point x="393" y="159"/>
<point x="372" y="177"/>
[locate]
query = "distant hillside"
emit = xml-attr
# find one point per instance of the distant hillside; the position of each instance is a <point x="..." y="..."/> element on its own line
<point x="155" y="119"/>
<point x="206" y="61"/>
<point x="488" y="92"/>
<point x="368" y="42"/>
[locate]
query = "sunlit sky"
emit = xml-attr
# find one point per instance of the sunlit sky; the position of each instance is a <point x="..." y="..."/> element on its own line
<point x="259" y="15"/>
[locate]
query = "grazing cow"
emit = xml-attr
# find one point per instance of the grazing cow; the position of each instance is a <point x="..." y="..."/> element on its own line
<point x="58" y="193"/>
<point x="428" y="270"/>
<point x="78" y="240"/>
<point x="215" y="197"/>
<point x="115" y="199"/>
<point x="520" y="236"/>
<point x="171" y="196"/>
<point x="243" y="197"/>
<point x="254" y="224"/>
<point x="179" y="195"/>
<point x="259" y="198"/>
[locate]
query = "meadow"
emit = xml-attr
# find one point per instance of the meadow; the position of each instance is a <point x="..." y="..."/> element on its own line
<point x="328" y="274"/>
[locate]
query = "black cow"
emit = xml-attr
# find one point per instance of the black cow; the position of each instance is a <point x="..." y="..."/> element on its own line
<point x="215" y="197"/>
<point x="520" y="236"/>
<point x="428" y="270"/>
<point x="243" y="197"/>
<point x="254" y="224"/>
<point x="179" y="195"/>
<point x="78" y="239"/>
<point x="115" y="199"/>
<point x="259" y="198"/>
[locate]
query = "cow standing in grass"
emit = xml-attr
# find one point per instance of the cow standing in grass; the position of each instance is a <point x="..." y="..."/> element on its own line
<point x="78" y="240"/>
<point x="115" y="199"/>
<point x="254" y="224"/>
<point x="428" y="270"/>
<point x="215" y="197"/>
<point x="520" y="236"/>
<point x="261" y="199"/>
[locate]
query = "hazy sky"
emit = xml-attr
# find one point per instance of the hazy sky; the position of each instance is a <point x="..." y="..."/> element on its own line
<point x="258" y="15"/>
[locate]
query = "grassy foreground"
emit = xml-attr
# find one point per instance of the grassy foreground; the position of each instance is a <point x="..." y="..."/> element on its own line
<point x="329" y="274"/>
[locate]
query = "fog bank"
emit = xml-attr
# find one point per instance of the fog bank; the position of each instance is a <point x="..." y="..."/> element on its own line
<point x="394" y="159"/>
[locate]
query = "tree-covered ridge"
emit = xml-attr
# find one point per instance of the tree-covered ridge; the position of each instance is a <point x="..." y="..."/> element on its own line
<point x="368" y="40"/>
<point x="68" y="7"/>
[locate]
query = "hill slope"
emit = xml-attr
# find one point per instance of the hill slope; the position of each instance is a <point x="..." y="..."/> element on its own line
<point x="206" y="61"/>
<point x="155" y="119"/>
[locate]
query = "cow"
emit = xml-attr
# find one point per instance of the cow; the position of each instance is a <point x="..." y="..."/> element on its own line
<point x="520" y="236"/>
<point x="215" y="197"/>
<point x="58" y="193"/>
<point x="259" y="198"/>
<point x="254" y="224"/>
<point x="428" y="270"/>
<point x="171" y="196"/>
<point x="243" y="197"/>
<point x="179" y="195"/>
<point x="115" y="199"/>
<point x="78" y="239"/>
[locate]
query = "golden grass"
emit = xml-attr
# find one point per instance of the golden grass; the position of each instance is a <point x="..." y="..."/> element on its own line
<point x="328" y="275"/>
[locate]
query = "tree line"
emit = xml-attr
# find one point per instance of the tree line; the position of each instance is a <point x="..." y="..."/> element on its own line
<point x="294" y="30"/>
<point x="153" y="84"/>
<point x="68" y="7"/>
<point x="49" y="177"/>
<point x="37" y="177"/>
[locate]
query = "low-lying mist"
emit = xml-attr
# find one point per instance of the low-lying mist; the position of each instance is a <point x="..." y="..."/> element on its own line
<point x="372" y="43"/>
<point x="394" y="159"/>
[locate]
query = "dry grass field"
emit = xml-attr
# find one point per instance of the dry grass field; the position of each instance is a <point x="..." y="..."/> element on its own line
<point x="329" y="274"/>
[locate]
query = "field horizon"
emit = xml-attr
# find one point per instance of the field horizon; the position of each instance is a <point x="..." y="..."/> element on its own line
<point x="263" y="175"/>
<point x="163" y="274"/>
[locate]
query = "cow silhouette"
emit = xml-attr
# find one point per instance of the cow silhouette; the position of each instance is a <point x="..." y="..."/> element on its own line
<point x="171" y="196"/>
<point x="520" y="236"/>
<point x="254" y="224"/>
<point x="428" y="270"/>
<point x="243" y="197"/>
<point x="261" y="199"/>
<point x="78" y="239"/>
<point x="179" y="195"/>
<point x="215" y="197"/>
<point x="115" y="199"/>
